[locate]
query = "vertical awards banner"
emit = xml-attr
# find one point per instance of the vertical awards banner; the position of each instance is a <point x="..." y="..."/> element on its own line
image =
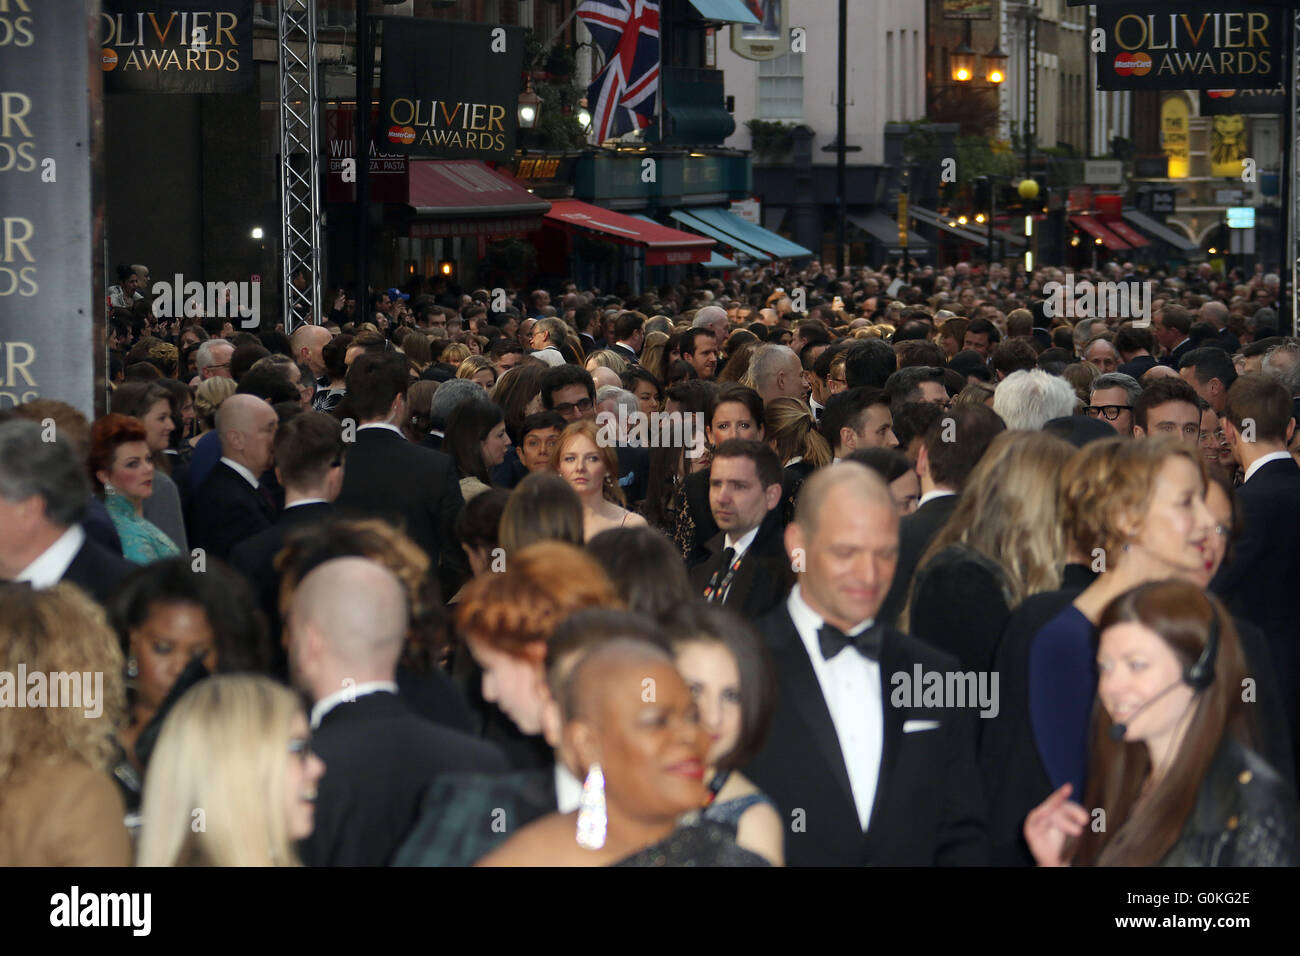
<point x="51" y="231"/>
<point x="177" y="46"/>
<point x="450" y="89"/>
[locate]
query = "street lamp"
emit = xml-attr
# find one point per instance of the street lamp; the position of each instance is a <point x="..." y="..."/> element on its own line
<point x="995" y="65"/>
<point x="530" y="107"/>
<point x="963" y="63"/>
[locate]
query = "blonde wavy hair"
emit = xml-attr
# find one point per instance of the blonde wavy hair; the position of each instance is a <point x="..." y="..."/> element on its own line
<point x="1109" y="483"/>
<point x="454" y="354"/>
<point x="223" y="751"/>
<point x="790" y="429"/>
<point x="475" y="364"/>
<point x="1010" y="512"/>
<point x="654" y="354"/>
<point x="208" y="398"/>
<point x="55" y="630"/>
<point x="609" y="359"/>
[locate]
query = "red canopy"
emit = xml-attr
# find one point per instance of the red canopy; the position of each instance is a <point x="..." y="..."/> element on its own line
<point x="663" y="246"/>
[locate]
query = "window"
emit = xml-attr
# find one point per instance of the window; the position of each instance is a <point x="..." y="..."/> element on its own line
<point x="780" y="87"/>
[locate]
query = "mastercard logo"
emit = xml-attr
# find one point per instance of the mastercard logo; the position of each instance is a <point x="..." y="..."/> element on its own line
<point x="109" y="60"/>
<point x="1137" y="64"/>
<point x="402" y="135"/>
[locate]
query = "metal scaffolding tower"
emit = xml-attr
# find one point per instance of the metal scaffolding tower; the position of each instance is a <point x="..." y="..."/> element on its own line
<point x="300" y="269"/>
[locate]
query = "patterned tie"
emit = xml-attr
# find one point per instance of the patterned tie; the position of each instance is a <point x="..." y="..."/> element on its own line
<point x="832" y="640"/>
<point x="712" y="592"/>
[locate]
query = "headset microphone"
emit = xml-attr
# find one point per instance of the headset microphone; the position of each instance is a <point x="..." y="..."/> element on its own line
<point x="1198" y="676"/>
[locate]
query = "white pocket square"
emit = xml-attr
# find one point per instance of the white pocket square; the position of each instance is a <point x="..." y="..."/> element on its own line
<point x="916" y="726"/>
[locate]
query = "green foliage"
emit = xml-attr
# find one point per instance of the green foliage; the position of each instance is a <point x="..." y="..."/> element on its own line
<point x="770" y="138"/>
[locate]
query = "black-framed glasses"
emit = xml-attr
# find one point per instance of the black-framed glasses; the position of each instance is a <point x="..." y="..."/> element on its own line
<point x="582" y="407"/>
<point x="1108" y="412"/>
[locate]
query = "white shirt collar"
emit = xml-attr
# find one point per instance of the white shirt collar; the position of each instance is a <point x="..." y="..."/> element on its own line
<point x="931" y="495"/>
<point x="742" y="544"/>
<point x="808" y="622"/>
<point x="306" y="501"/>
<point x="244" y="473"/>
<point x="568" y="789"/>
<point x="49" y="569"/>
<point x="348" y="694"/>
<point x="1263" y="460"/>
<point x="391" y="427"/>
<point x="627" y="345"/>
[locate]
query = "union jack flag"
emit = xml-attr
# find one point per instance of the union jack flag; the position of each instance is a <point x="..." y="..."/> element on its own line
<point x="624" y="94"/>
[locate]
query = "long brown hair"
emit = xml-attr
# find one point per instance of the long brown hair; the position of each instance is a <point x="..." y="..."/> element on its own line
<point x="1140" y="833"/>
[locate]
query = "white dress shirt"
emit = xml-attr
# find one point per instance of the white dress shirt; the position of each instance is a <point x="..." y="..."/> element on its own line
<point x="348" y="694"/>
<point x="742" y="543"/>
<point x="851" y="688"/>
<point x="391" y="427"/>
<point x="306" y="501"/>
<point x="49" y="569"/>
<point x="243" y="472"/>
<point x="568" y="789"/>
<point x="931" y="495"/>
<point x="1263" y="460"/>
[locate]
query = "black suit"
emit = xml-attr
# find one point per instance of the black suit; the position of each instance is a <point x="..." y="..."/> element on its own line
<point x="928" y="807"/>
<point x="380" y="758"/>
<point x="411" y="487"/>
<point x="227" y="510"/>
<point x="255" y="558"/>
<point x="764" y="576"/>
<point x="97" y="571"/>
<point x="1176" y="356"/>
<point x="1262" y="580"/>
<point x="915" y="532"/>
<point x="624" y="352"/>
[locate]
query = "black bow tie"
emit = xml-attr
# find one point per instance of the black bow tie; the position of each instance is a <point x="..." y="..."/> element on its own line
<point x="832" y="640"/>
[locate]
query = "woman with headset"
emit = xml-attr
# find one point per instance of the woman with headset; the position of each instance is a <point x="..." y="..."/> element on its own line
<point x="1171" y="780"/>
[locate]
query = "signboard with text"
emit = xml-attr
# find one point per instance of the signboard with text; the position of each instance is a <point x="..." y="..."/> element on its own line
<point x="450" y="90"/>
<point x="177" y="46"/>
<point x="388" y="182"/>
<point x="52" y="298"/>
<point x="1190" y="45"/>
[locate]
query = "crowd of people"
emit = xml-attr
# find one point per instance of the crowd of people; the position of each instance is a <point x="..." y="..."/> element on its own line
<point x="943" y="576"/>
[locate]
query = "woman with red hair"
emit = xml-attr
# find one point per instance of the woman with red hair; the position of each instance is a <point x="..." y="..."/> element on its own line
<point x="121" y="468"/>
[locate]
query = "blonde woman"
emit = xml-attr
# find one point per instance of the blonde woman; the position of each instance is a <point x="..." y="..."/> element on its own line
<point x="607" y="358"/>
<point x="454" y="354"/>
<point x="207" y="399"/>
<point x="235" y="754"/>
<point x="58" y="805"/>
<point x="591" y="469"/>
<point x="478" y="368"/>
<point x="654" y="356"/>
<point x="1004" y="541"/>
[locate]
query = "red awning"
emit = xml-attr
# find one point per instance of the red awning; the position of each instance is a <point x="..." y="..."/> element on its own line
<point x="663" y="246"/>
<point x="1127" y="233"/>
<point x="1094" y="228"/>
<point x="463" y="197"/>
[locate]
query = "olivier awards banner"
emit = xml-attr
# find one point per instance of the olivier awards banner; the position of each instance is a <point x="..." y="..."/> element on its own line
<point x="177" y="46"/>
<point x="1190" y="46"/>
<point x="450" y="90"/>
<point x="51" y="233"/>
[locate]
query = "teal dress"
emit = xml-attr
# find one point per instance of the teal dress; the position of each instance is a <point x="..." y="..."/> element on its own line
<point x="142" y="541"/>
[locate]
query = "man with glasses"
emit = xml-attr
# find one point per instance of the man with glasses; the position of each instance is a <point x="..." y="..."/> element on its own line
<point x="1168" y="406"/>
<point x="1112" y="400"/>
<point x="917" y="383"/>
<point x="212" y="360"/>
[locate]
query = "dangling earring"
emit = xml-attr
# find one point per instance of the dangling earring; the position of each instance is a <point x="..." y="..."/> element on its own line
<point x="109" y="489"/>
<point x="132" y="667"/>
<point x="591" y="810"/>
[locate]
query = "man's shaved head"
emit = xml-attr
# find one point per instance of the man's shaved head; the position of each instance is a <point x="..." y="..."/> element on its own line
<point x="239" y="413"/>
<point x="859" y="483"/>
<point x="359" y="608"/>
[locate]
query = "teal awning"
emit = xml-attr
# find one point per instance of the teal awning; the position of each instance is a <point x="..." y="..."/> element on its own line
<point x="885" y="231"/>
<point x="725" y="11"/>
<point x="716" y="260"/>
<point x="700" y="226"/>
<point x="776" y="246"/>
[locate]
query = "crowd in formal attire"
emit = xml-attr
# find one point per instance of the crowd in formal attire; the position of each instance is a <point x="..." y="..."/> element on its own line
<point x="796" y="569"/>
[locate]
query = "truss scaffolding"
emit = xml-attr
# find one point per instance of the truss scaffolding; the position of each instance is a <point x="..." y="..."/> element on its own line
<point x="300" y="213"/>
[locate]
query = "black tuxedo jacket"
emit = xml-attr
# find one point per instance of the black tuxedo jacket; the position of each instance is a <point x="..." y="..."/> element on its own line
<point x="764" y="576"/>
<point x="915" y="532"/>
<point x="380" y="758"/>
<point x="226" y="511"/>
<point x="411" y="487"/>
<point x="1176" y="356"/>
<point x="97" y="571"/>
<point x="624" y="352"/>
<point x="1262" y="579"/>
<point x="929" y="807"/>
<point x="255" y="557"/>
